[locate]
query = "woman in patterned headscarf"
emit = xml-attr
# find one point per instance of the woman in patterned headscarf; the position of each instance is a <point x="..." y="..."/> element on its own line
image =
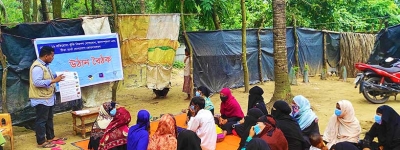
<point x="103" y="119"/>
<point x="115" y="135"/>
<point x="165" y="137"/>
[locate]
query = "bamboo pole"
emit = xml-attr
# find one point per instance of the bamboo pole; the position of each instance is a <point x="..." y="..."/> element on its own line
<point x="260" y="71"/>
<point x="324" y="63"/>
<point x="115" y="83"/>
<point x="296" y="47"/>
<point x="3" y="60"/>
<point x="244" y="48"/>
<point x="190" y="48"/>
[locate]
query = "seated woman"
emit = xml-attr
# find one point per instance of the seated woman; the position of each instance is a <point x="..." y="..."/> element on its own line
<point x="188" y="140"/>
<point x="304" y="115"/>
<point x="344" y="146"/>
<point x="230" y="111"/>
<point x="114" y="137"/>
<point x="103" y="119"/>
<point x="256" y="100"/>
<point x="266" y="130"/>
<point x="203" y="92"/>
<point x="386" y="128"/>
<point x="257" y="144"/>
<point x="165" y="136"/>
<point x="138" y="135"/>
<point x="343" y="126"/>
<point x="280" y="111"/>
<point x="250" y="120"/>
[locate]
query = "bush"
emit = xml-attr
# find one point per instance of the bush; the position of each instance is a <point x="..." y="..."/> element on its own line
<point x="178" y="65"/>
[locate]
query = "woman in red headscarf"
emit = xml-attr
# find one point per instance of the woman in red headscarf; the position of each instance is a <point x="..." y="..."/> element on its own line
<point x="116" y="132"/>
<point x="231" y="112"/>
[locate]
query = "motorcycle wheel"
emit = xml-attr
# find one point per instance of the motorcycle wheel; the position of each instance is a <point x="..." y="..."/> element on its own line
<point x="372" y="96"/>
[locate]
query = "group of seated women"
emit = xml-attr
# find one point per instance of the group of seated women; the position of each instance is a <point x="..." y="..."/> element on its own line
<point x="291" y="126"/>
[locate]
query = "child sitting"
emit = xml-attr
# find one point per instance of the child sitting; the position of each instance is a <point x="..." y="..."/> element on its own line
<point x="317" y="143"/>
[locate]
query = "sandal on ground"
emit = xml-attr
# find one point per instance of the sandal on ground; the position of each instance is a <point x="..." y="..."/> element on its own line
<point x="47" y="145"/>
<point x="60" y="139"/>
<point x="56" y="148"/>
<point x="58" y="142"/>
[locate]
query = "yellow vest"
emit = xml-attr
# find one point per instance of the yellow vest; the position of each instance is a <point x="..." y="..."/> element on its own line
<point x="40" y="92"/>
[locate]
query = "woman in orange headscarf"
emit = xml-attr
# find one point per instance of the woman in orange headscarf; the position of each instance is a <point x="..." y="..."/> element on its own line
<point x="165" y="136"/>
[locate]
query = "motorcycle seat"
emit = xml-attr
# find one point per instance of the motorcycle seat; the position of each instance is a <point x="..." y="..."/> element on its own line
<point x="389" y="70"/>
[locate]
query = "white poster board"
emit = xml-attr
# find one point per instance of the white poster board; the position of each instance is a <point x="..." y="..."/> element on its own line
<point x="69" y="87"/>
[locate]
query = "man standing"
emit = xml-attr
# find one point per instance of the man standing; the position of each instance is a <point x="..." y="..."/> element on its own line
<point x="42" y="95"/>
<point x="202" y="122"/>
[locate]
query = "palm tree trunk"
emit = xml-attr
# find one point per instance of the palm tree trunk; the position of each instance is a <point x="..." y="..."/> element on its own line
<point x="35" y="11"/>
<point x="45" y="10"/>
<point x="26" y="7"/>
<point x="57" y="9"/>
<point x="282" y="86"/>
<point x="142" y="6"/>
<point x="244" y="51"/>
<point x="217" y="22"/>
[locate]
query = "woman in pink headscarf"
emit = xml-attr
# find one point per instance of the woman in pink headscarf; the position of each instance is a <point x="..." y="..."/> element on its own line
<point x="231" y="112"/>
<point x="343" y="125"/>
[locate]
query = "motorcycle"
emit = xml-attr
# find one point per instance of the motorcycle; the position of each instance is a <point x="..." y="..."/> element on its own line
<point x="379" y="82"/>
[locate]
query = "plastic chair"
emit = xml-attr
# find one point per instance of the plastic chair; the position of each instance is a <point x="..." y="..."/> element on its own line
<point x="7" y="127"/>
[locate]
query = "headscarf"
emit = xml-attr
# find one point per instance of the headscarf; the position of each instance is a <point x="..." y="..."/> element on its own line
<point x="250" y="120"/>
<point x="204" y="90"/>
<point x="390" y="121"/>
<point x="306" y="116"/>
<point x="255" y="97"/>
<point x="287" y="124"/>
<point x="103" y="119"/>
<point x="271" y="134"/>
<point x="230" y="107"/>
<point x="188" y="140"/>
<point x="139" y="132"/>
<point x="389" y="115"/>
<point x="165" y="136"/>
<point x="344" y="146"/>
<point x="257" y="144"/>
<point x="345" y="128"/>
<point x="116" y="131"/>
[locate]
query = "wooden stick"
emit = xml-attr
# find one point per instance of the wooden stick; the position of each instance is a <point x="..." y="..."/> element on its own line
<point x="3" y="60"/>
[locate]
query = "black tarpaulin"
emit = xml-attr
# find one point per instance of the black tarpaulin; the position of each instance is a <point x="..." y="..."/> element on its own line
<point x="17" y="46"/>
<point x="217" y="60"/>
<point x="387" y="44"/>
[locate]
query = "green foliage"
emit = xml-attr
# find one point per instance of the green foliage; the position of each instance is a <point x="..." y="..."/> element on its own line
<point x="336" y="15"/>
<point x="14" y="11"/>
<point x="178" y="65"/>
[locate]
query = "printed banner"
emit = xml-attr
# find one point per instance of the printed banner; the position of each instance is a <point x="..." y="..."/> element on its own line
<point x="96" y="58"/>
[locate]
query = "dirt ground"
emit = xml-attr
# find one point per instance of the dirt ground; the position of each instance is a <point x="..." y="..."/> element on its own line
<point x="323" y="95"/>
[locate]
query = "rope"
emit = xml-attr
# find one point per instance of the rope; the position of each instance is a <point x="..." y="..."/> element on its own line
<point x="18" y="36"/>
